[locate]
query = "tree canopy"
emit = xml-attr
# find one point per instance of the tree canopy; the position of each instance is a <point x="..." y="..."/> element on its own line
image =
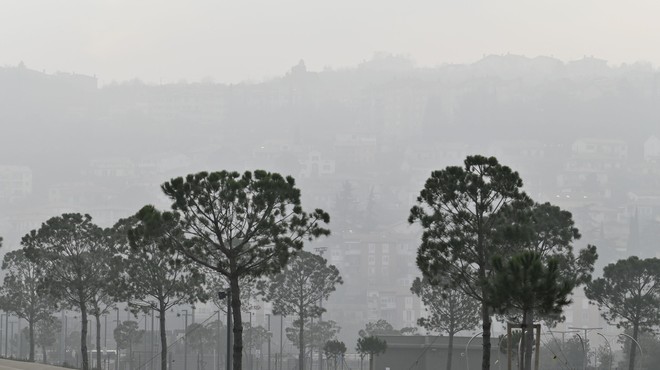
<point x="240" y="225"/>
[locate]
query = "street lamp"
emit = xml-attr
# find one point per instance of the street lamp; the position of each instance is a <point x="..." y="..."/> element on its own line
<point x="269" y="335"/>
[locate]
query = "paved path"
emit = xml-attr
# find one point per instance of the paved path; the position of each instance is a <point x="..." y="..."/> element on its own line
<point x="20" y="365"/>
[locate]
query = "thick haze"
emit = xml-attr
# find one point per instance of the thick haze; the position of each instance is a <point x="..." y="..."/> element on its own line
<point x="232" y="41"/>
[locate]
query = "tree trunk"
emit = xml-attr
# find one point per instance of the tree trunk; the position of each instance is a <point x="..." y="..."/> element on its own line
<point x="98" y="341"/>
<point x="83" y="337"/>
<point x="301" y="343"/>
<point x="450" y="349"/>
<point x="238" y="323"/>
<point x="163" y="336"/>
<point x="485" y="316"/>
<point x="371" y="362"/>
<point x="633" y="348"/>
<point x="528" y="348"/>
<point x="31" y="330"/>
<point x="43" y="353"/>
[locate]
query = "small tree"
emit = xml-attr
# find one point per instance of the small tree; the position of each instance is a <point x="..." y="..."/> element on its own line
<point x="628" y="296"/>
<point x="524" y="283"/>
<point x="371" y="346"/>
<point x="47" y="332"/>
<point x="240" y="226"/>
<point x="67" y="247"/>
<point x="126" y="335"/>
<point x="255" y="336"/>
<point x="298" y="289"/>
<point x="449" y="310"/>
<point x="334" y="349"/>
<point x="157" y="276"/>
<point x="379" y="327"/>
<point x="316" y="333"/>
<point x="22" y="294"/>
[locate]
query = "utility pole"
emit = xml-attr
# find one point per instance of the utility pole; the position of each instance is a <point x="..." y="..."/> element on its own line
<point x="217" y="356"/>
<point x="6" y="333"/>
<point x="2" y="329"/>
<point x="117" y="342"/>
<point x="321" y="251"/>
<point x="185" y="342"/>
<point x="281" y="340"/>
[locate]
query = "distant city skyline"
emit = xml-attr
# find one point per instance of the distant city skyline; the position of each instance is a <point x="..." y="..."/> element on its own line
<point x="230" y="42"/>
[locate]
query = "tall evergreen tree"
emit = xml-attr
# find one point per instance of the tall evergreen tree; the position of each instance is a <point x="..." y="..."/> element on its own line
<point x="67" y="247"/>
<point x="240" y="226"/>
<point x="456" y="210"/>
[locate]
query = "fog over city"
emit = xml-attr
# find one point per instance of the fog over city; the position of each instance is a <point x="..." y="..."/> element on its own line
<point x="472" y="185"/>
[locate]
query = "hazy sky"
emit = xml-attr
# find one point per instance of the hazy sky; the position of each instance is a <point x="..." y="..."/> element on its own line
<point x="230" y="41"/>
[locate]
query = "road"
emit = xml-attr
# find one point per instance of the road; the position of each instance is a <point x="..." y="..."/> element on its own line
<point x="19" y="365"/>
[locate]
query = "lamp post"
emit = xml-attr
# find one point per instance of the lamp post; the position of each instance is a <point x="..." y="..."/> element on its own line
<point x="6" y="333"/>
<point x="222" y="295"/>
<point x="105" y="340"/>
<point x="12" y="335"/>
<point x="467" y="346"/>
<point x="269" y="335"/>
<point x="153" y="340"/>
<point x="2" y="329"/>
<point x="20" y="339"/>
<point x="609" y="346"/>
<point x="641" y="353"/>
